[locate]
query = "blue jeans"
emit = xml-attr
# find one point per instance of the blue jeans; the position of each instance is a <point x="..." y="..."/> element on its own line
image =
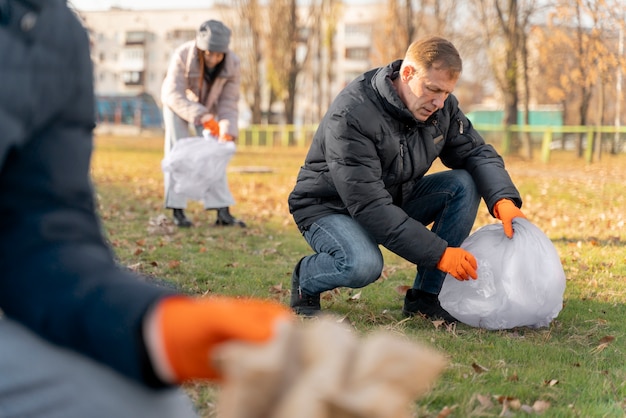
<point x="346" y="255"/>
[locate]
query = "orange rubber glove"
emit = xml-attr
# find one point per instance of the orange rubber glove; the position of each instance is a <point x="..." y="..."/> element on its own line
<point x="505" y="210"/>
<point x="190" y="328"/>
<point x="212" y="126"/>
<point x="459" y="263"/>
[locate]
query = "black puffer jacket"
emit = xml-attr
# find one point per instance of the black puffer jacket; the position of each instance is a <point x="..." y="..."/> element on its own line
<point x="369" y="148"/>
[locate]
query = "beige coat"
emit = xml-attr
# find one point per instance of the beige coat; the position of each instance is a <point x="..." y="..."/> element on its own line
<point x="180" y="90"/>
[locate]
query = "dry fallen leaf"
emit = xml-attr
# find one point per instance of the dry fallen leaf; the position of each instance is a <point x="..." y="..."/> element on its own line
<point x="402" y="289"/>
<point x="161" y="225"/>
<point x="485" y="401"/>
<point x="505" y="399"/>
<point x="478" y="368"/>
<point x="438" y="323"/>
<point x="445" y="412"/>
<point x="173" y="264"/>
<point x="277" y="289"/>
<point x="604" y="343"/>
<point x="134" y="267"/>
<point x="515" y="404"/>
<point x="541" y="406"/>
<point x="607" y="339"/>
<point x="356" y="296"/>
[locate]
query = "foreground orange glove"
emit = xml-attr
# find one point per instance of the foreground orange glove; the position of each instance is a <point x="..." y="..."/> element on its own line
<point x="505" y="210"/>
<point x="212" y="126"/>
<point x="186" y="330"/>
<point x="459" y="263"/>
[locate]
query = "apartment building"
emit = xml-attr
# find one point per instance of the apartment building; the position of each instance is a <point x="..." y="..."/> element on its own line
<point x="131" y="49"/>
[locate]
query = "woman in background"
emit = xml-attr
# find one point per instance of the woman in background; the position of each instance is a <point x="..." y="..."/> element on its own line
<point x="201" y="91"/>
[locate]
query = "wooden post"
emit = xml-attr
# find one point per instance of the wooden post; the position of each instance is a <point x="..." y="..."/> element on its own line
<point x="545" y="145"/>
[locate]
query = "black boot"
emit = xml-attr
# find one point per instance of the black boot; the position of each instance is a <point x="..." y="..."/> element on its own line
<point x="224" y="218"/>
<point x="302" y="303"/>
<point x="418" y="302"/>
<point x="180" y="219"/>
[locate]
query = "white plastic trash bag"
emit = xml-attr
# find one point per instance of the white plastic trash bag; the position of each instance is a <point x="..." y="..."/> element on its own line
<point x="520" y="280"/>
<point x="197" y="169"/>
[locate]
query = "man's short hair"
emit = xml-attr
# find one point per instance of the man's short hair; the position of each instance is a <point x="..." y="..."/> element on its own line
<point x="434" y="52"/>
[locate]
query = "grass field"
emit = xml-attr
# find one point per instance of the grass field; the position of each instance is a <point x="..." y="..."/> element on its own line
<point x="574" y="368"/>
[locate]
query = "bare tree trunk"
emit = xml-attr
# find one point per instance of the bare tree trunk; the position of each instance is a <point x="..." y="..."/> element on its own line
<point x="585" y="93"/>
<point x="251" y="55"/>
<point x="527" y="137"/>
<point x="597" y="146"/>
<point x="511" y="96"/>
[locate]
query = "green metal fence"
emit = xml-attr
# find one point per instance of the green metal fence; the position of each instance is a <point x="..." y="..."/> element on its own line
<point x="553" y="135"/>
<point x="276" y="136"/>
<point x="545" y="137"/>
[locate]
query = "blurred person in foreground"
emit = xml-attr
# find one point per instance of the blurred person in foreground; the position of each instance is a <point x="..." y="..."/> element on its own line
<point x="364" y="183"/>
<point x="201" y="91"/>
<point x="79" y="336"/>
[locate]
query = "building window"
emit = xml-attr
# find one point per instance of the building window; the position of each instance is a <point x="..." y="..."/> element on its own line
<point x="136" y="37"/>
<point x="132" y="59"/>
<point x="353" y="29"/>
<point x="132" y="78"/>
<point x="358" y="53"/>
<point x="181" y="35"/>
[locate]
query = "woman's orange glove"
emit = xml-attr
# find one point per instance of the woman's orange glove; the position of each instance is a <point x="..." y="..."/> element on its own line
<point x="505" y="210"/>
<point x="212" y="126"/>
<point x="459" y="263"/>
<point x="182" y="332"/>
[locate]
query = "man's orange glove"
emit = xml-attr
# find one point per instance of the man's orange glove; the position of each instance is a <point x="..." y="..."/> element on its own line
<point x="212" y="126"/>
<point x="186" y="330"/>
<point x="459" y="263"/>
<point x="505" y="210"/>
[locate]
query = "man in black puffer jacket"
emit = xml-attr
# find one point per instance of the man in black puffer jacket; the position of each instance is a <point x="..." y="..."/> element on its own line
<point x="364" y="183"/>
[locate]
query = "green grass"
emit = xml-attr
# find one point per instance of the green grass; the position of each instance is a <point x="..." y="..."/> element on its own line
<point x="576" y="364"/>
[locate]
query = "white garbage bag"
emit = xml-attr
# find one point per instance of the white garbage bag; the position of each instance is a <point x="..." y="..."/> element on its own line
<point x="520" y="282"/>
<point x="197" y="168"/>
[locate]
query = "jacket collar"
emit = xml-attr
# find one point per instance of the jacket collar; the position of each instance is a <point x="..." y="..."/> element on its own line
<point x="382" y="82"/>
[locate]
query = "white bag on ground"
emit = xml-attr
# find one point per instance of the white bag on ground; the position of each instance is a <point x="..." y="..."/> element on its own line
<point x="520" y="280"/>
<point x="197" y="168"/>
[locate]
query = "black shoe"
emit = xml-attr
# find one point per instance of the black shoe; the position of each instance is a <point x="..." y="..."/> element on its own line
<point x="302" y="303"/>
<point x="417" y="302"/>
<point x="224" y="218"/>
<point x="180" y="219"/>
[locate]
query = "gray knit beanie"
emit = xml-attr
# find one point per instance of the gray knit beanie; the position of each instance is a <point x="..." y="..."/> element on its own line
<point x="213" y="36"/>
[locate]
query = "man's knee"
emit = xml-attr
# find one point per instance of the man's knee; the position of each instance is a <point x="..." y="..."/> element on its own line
<point x="465" y="185"/>
<point x="365" y="269"/>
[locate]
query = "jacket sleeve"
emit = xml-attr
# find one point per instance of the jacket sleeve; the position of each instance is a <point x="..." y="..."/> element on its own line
<point x="356" y="172"/>
<point x="58" y="276"/>
<point x="228" y="100"/>
<point x="465" y="148"/>
<point x="174" y="91"/>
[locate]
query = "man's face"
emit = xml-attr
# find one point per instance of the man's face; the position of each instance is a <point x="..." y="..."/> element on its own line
<point x="424" y="92"/>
